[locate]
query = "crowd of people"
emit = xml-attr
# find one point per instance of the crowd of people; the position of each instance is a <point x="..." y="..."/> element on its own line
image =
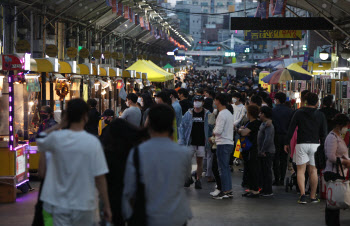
<point x="141" y="160"/>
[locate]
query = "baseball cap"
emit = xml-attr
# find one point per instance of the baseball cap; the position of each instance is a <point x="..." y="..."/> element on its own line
<point x="108" y="112"/>
<point x="198" y="98"/>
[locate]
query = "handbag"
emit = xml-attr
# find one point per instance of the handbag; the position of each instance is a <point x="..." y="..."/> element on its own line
<point x="338" y="191"/>
<point x="139" y="216"/>
<point x="246" y="144"/>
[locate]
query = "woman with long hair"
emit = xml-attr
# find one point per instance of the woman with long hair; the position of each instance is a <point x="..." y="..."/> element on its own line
<point x="146" y="103"/>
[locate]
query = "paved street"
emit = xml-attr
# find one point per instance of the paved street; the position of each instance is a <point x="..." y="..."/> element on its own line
<point x="282" y="209"/>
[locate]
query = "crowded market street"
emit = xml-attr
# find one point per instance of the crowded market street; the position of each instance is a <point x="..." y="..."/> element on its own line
<point x="174" y="112"/>
<point x="278" y="210"/>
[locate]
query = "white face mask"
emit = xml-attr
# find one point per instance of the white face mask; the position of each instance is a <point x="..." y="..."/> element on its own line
<point x="127" y="103"/>
<point x="205" y="98"/>
<point x="234" y="100"/>
<point x="139" y="100"/>
<point x="344" y="130"/>
<point x="197" y="104"/>
<point x="141" y="103"/>
<point x="275" y="101"/>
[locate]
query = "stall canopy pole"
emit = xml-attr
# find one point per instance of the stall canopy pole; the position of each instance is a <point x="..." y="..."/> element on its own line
<point x="52" y="99"/>
<point x="11" y="110"/>
<point x="25" y="112"/>
<point x="43" y="89"/>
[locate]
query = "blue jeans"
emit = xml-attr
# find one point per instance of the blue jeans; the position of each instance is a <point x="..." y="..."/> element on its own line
<point x="223" y="153"/>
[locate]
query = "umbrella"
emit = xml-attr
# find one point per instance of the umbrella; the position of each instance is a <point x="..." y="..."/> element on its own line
<point x="292" y="72"/>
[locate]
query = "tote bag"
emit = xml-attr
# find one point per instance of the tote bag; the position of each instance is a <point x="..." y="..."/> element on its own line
<point x="338" y="191"/>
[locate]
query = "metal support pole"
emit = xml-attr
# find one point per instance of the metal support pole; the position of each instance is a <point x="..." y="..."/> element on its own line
<point x="124" y="51"/>
<point x="15" y="30"/>
<point x="43" y="89"/>
<point x="31" y="32"/>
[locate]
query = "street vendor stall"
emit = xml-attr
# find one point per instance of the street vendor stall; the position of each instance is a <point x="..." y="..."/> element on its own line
<point x="13" y="147"/>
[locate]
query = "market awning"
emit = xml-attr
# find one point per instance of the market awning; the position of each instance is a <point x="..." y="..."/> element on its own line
<point x="144" y="76"/>
<point x="320" y="68"/>
<point x="153" y="74"/>
<point x="114" y="72"/>
<point x="126" y="74"/>
<point x="103" y="71"/>
<point x="94" y="70"/>
<point x="44" y="65"/>
<point x="168" y="66"/>
<point x="65" y="67"/>
<point x="84" y="69"/>
<point x="138" y="75"/>
<point x="168" y="75"/>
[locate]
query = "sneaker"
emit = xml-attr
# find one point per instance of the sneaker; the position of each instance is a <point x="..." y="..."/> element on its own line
<point x="316" y="200"/>
<point x="267" y="194"/>
<point x="198" y="184"/>
<point x="188" y="182"/>
<point x="215" y="193"/>
<point x="230" y="194"/>
<point x="302" y="199"/>
<point x="251" y="195"/>
<point x="221" y="195"/>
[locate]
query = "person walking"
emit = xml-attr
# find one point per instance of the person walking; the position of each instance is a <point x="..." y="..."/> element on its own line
<point x="166" y="201"/>
<point x="77" y="161"/>
<point x="281" y="116"/>
<point x="223" y="132"/>
<point x="209" y="99"/>
<point x="94" y="118"/>
<point x="146" y="103"/>
<point x="120" y="137"/>
<point x="266" y="150"/>
<point x="177" y="108"/>
<point x="194" y="132"/>
<point x="250" y="132"/>
<point x="335" y="148"/>
<point x="184" y="101"/>
<point x="133" y="113"/>
<point x="312" y="131"/>
<point x="329" y="111"/>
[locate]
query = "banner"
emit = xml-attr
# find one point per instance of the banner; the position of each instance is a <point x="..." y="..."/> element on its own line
<point x="142" y="22"/>
<point x="280" y="7"/>
<point x="131" y="16"/>
<point x="109" y="2"/>
<point x="120" y="9"/>
<point x="126" y="12"/>
<point x="306" y="60"/>
<point x="114" y="6"/>
<point x="137" y="20"/>
<point x="263" y="9"/>
<point x="10" y="62"/>
<point x="259" y="35"/>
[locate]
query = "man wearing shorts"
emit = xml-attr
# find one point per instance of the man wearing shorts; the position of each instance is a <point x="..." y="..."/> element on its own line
<point x="194" y="131"/>
<point x="312" y="131"/>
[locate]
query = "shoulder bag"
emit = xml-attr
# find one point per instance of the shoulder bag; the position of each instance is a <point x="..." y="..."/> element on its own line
<point x="139" y="216"/>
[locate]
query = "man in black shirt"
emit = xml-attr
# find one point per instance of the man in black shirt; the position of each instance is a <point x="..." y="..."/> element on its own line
<point x="194" y="132"/>
<point x="329" y="111"/>
<point x="184" y="101"/>
<point x="208" y="100"/>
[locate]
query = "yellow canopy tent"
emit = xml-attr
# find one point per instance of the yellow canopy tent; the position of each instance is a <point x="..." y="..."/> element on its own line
<point x="153" y="74"/>
<point x="297" y="68"/>
<point x="169" y="75"/>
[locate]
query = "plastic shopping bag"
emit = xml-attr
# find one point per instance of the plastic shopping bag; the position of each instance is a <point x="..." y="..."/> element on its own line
<point x="338" y="194"/>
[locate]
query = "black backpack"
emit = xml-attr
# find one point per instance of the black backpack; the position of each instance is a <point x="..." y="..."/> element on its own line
<point x="320" y="158"/>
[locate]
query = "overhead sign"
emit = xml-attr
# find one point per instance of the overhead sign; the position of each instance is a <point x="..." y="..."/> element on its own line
<point x="51" y="50"/>
<point x="241" y="48"/>
<point x="10" y="62"/>
<point x="280" y="23"/>
<point x="97" y="54"/>
<point x="180" y="58"/>
<point x="107" y="54"/>
<point x="258" y="35"/>
<point x="72" y="52"/>
<point x="84" y="53"/>
<point x="114" y="55"/>
<point x="22" y="46"/>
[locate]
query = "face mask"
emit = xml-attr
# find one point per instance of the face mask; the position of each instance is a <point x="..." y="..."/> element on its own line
<point x="205" y="98"/>
<point x="141" y="104"/>
<point x="234" y="100"/>
<point x="127" y="103"/>
<point x="197" y="104"/>
<point x="139" y="100"/>
<point x="275" y="101"/>
<point x="344" y="130"/>
<point x="44" y="117"/>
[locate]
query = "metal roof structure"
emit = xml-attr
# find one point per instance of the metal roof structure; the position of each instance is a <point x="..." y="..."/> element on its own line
<point x="97" y="16"/>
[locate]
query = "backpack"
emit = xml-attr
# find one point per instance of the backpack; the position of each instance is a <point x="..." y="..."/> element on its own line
<point x="320" y="158"/>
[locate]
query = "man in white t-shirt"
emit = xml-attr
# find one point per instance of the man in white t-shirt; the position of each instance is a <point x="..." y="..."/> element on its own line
<point x="77" y="166"/>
